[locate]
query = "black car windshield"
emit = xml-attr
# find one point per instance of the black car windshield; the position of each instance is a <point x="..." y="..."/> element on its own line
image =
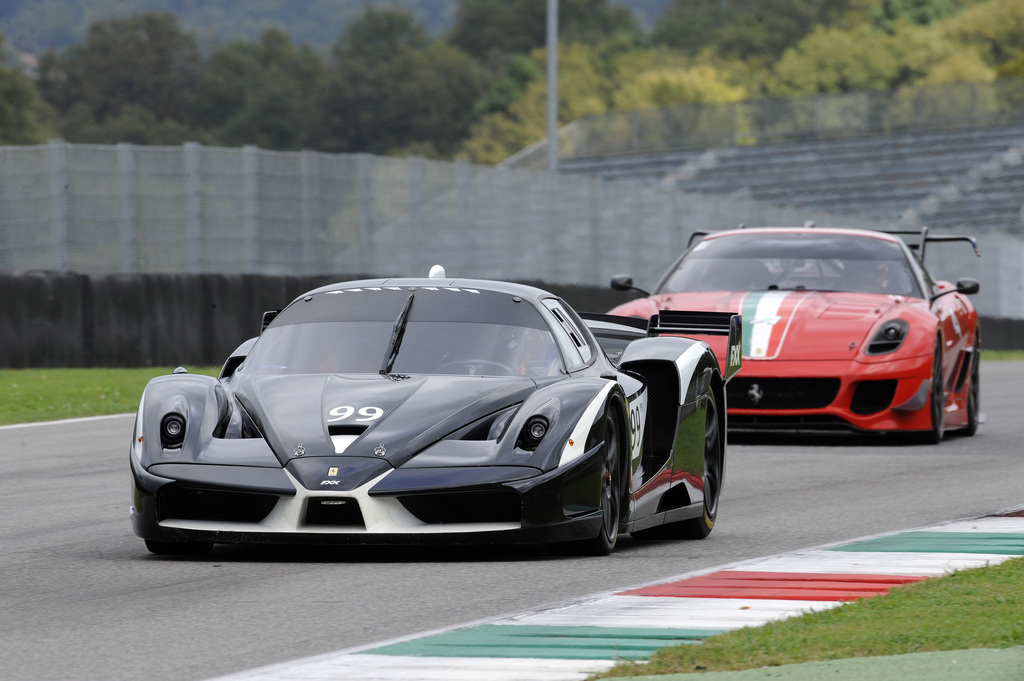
<point x="823" y="261"/>
<point x="447" y="331"/>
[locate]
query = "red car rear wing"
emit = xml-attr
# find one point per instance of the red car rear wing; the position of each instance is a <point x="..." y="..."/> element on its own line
<point x="688" y="323"/>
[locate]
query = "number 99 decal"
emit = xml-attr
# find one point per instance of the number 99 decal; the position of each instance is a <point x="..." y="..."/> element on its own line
<point x="362" y="413"/>
<point x="637" y="415"/>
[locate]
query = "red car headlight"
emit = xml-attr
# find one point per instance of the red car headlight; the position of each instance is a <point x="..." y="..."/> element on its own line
<point x="888" y="338"/>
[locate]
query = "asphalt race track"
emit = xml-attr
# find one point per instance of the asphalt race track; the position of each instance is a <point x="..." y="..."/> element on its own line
<point x="81" y="598"/>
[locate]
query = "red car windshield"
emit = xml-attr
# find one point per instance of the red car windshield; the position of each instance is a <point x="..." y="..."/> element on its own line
<point x="825" y="261"/>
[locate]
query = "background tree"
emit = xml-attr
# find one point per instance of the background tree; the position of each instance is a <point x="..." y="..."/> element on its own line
<point x="920" y="12"/>
<point x="487" y="29"/>
<point x="146" y="62"/>
<point x="263" y="93"/>
<point x="996" y="29"/>
<point x="583" y="90"/>
<point x="390" y="89"/>
<point x="24" y="118"/>
<point x="744" y="29"/>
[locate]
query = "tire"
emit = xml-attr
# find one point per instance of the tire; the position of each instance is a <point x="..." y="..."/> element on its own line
<point x="974" y="390"/>
<point x="184" y="548"/>
<point x="611" y="491"/>
<point x="936" y="401"/>
<point x="701" y="526"/>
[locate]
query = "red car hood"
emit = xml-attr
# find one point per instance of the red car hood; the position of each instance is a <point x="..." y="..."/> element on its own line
<point x="787" y="325"/>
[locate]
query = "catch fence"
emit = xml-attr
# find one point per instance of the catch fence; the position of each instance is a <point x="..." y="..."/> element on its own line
<point x="124" y="209"/>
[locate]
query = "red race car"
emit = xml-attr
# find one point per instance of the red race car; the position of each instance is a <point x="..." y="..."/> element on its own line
<point x="843" y="329"/>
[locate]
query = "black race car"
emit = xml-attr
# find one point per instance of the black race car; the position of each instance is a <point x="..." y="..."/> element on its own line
<point x="438" y="410"/>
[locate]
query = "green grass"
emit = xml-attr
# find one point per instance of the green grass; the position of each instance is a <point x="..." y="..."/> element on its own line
<point x="977" y="608"/>
<point x="28" y="395"/>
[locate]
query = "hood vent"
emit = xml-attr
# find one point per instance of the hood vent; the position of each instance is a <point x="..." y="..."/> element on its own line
<point x="343" y="436"/>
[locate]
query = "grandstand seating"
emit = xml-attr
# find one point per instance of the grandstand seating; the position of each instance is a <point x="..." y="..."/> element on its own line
<point x="953" y="178"/>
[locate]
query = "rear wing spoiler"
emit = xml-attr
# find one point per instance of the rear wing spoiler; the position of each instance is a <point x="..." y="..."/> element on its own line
<point x="679" y="323"/>
<point x="926" y="238"/>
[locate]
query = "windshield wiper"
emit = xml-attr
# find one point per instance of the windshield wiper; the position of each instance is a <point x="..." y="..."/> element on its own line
<point x="801" y="287"/>
<point x="397" y="334"/>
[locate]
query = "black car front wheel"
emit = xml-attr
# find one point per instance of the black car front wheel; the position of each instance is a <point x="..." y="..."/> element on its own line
<point x="610" y="489"/>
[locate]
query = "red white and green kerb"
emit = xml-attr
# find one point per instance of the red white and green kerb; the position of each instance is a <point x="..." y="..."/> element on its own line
<point x="573" y="640"/>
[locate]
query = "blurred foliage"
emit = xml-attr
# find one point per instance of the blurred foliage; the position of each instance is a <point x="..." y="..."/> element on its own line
<point x="263" y="93"/>
<point x="486" y="28"/>
<point x="136" y="73"/>
<point x="743" y="28"/>
<point x="390" y="88"/>
<point x="391" y="83"/>
<point x="24" y="117"/>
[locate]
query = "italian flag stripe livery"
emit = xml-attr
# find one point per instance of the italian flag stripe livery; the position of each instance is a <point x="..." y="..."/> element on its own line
<point x="766" y="318"/>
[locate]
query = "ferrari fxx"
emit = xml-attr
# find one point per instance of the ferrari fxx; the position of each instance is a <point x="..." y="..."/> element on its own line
<point x="438" y="410"/>
<point x="845" y="329"/>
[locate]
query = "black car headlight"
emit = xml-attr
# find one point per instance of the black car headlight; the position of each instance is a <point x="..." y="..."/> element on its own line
<point x="889" y="337"/>
<point x="172" y="431"/>
<point x="534" y="430"/>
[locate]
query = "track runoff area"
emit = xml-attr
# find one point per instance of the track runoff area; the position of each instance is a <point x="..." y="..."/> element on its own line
<point x="572" y="640"/>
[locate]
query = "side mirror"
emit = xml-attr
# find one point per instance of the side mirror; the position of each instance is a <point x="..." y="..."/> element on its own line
<point x="967" y="286"/>
<point x="624" y="282"/>
<point x="268" y="317"/>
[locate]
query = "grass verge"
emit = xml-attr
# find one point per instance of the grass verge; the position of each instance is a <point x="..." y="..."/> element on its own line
<point x="977" y="608"/>
<point x="29" y="395"/>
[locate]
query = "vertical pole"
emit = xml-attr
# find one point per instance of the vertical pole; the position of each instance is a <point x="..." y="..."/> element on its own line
<point x="193" y="209"/>
<point x="311" y="211"/>
<point x="58" y="206"/>
<point x="416" y="262"/>
<point x="126" y="201"/>
<point x="364" y="171"/>
<point x="552" y="85"/>
<point x="462" y="218"/>
<point x="250" y="206"/>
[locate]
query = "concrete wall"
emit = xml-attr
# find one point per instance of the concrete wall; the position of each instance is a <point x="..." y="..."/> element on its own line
<point x="59" y="319"/>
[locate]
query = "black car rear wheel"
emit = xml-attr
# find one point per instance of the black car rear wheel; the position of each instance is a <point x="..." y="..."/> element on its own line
<point x="701" y="526"/>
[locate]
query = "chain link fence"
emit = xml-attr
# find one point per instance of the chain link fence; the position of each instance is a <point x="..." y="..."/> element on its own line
<point x="102" y="210"/>
<point x="784" y="119"/>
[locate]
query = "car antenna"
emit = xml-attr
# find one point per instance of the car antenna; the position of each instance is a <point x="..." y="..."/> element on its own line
<point x="437" y="272"/>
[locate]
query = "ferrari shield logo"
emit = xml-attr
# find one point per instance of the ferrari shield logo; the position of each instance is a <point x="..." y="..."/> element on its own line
<point x="332" y="471"/>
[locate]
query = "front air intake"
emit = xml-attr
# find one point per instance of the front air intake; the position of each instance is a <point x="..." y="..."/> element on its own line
<point x="187" y="503"/>
<point x="334" y="512"/>
<point x="495" y="506"/>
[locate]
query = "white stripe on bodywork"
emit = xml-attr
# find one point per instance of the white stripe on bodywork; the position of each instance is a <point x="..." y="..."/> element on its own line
<point x="341" y="442"/>
<point x="764" y="322"/>
<point x="577" y="444"/>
